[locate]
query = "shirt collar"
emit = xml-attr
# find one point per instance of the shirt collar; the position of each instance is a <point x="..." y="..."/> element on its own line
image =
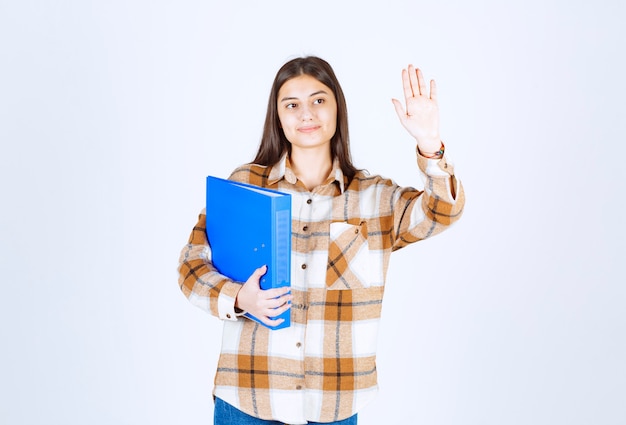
<point x="282" y="169"/>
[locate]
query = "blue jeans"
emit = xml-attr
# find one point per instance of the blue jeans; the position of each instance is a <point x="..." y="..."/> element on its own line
<point x="225" y="414"/>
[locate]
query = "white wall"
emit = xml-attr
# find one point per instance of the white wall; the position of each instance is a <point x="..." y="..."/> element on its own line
<point x="113" y="112"/>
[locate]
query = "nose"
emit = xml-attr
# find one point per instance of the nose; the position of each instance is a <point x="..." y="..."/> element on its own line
<point x="306" y="113"/>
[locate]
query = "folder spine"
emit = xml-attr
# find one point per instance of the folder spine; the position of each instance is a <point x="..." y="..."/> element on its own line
<point x="282" y="251"/>
<point x="283" y="246"/>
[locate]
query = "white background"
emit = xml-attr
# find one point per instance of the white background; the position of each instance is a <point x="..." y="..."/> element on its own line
<point x="113" y="112"/>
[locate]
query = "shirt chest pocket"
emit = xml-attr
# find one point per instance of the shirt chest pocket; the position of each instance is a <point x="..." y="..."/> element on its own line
<point x="348" y="264"/>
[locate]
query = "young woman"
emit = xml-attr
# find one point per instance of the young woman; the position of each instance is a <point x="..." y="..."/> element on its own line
<point x="345" y="224"/>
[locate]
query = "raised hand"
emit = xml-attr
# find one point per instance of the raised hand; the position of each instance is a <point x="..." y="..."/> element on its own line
<point x="263" y="304"/>
<point x="421" y="117"/>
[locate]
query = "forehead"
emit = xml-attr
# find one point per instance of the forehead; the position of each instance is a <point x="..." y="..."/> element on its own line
<point x="302" y="86"/>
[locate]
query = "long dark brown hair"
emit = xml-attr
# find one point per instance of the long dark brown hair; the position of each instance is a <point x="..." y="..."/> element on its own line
<point x="274" y="143"/>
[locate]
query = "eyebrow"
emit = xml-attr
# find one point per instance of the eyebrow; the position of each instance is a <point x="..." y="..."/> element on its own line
<point x="311" y="95"/>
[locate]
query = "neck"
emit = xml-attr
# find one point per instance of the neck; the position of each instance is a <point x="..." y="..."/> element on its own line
<point x="312" y="167"/>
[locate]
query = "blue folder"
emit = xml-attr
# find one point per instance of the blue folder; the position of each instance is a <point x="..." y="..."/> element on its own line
<point x="248" y="227"/>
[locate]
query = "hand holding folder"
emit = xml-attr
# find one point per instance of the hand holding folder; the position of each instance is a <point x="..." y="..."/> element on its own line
<point x="249" y="227"/>
<point x="267" y="305"/>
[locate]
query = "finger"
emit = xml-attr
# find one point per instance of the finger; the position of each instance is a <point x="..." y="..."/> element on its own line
<point x="421" y="82"/>
<point x="254" y="281"/>
<point x="413" y="76"/>
<point x="270" y="316"/>
<point x="270" y="322"/>
<point x="406" y="85"/>
<point x="433" y="90"/>
<point x="276" y="309"/>
<point x="258" y="273"/>
<point x="275" y="292"/>
<point x="274" y="303"/>
<point x="399" y="109"/>
<point x="280" y="310"/>
<point x="287" y="297"/>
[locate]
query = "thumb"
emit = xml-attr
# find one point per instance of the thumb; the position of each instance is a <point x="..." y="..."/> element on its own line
<point x="258" y="273"/>
<point x="399" y="110"/>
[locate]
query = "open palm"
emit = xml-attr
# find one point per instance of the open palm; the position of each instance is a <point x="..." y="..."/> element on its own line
<point x="421" y="116"/>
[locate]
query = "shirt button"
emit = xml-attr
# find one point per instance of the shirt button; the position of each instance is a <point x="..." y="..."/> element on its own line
<point x="305" y="228"/>
<point x="298" y="387"/>
<point x="308" y="201"/>
<point x="303" y="266"/>
<point x="356" y="230"/>
<point x="298" y="344"/>
<point x="228" y="315"/>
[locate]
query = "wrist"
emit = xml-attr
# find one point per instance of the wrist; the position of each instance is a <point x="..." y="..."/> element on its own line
<point x="237" y="297"/>
<point x="433" y="154"/>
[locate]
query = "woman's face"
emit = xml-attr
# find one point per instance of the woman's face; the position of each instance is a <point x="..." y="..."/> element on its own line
<point x="307" y="111"/>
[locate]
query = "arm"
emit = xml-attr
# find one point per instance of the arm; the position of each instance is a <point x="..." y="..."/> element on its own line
<point x="420" y="214"/>
<point x="201" y="283"/>
<point x="215" y="293"/>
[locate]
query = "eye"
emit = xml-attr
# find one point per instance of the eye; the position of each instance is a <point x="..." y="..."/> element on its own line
<point x="290" y="105"/>
<point x="318" y="101"/>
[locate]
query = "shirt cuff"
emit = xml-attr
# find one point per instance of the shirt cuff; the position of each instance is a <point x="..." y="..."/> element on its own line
<point x="439" y="167"/>
<point x="226" y="301"/>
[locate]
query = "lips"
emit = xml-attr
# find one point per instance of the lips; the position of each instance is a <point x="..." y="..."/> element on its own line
<point x="308" y="128"/>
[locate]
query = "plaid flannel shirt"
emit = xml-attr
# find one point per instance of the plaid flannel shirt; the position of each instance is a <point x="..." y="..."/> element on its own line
<point x="323" y="367"/>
